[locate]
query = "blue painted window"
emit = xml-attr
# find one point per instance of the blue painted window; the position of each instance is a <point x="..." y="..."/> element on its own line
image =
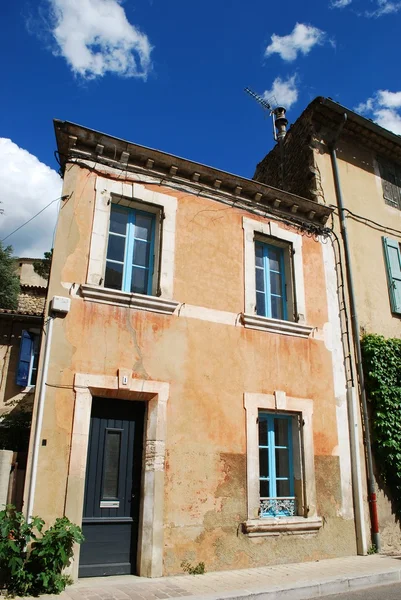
<point x="276" y="479"/>
<point x="393" y="262"/>
<point x="271" y="298"/>
<point x="28" y="359"/>
<point x="130" y="250"/>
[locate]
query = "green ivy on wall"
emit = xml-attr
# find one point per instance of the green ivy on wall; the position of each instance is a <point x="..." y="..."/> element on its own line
<point x="382" y="366"/>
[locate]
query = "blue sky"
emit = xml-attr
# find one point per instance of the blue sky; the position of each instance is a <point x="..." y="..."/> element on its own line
<point x="170" y="75"/>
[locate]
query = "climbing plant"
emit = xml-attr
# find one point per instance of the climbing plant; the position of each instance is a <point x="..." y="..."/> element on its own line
<point x="382" y="366"/>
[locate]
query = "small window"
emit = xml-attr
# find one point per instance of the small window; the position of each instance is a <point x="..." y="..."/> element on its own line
<point x="393" y="262"/>
<point x="111" y="462"/>
<point x="28" y="359"/>
<point x="390" y="174"/>
<point x="273" y="273"/>
<point x="276" y="478"/>
<point x="130" y="252"/>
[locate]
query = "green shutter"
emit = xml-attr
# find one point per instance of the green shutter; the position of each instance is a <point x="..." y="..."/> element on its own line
<point x="393" y="261"/>
<point x="390" y="184"/>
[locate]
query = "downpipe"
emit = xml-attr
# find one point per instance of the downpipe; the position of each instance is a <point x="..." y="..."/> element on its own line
<point x="39" y="420"/>
<point x="374" y="521"/>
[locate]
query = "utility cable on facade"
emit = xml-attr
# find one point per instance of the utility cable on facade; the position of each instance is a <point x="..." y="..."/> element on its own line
<point x="34" y="216"/>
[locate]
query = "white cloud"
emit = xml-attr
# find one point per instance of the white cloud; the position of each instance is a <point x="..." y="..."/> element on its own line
<point x="95" y="37"/>
<point x="384" y="7"/>
<point x="383" y="107"/>
<point x="26" y="186"/>
<point x="302" y="39"/>
<point x="340" y="3"/>
<point x="283" y="92"/>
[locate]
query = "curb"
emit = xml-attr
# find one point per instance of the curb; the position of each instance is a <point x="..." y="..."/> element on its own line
<point x="312" y="589"/>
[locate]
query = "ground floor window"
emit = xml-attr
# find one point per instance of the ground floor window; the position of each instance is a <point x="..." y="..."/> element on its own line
<point x="276" y="465"/>
<point x="28" y="359"/>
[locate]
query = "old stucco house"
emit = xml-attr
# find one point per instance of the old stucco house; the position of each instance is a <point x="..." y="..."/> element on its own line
<point x="342" y="160"/>
<point x="20" y="332"/>
<point x="191" y="397"/>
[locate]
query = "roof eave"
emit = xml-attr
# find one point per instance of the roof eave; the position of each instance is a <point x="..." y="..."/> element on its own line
<point x="75" y="141"/>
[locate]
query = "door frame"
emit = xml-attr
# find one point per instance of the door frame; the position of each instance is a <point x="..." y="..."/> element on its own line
<point x="124" y="387"/>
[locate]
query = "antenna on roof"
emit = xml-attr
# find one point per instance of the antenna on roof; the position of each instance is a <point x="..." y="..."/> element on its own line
<point x="277" y="114"/>
<point x="259" y="99"/>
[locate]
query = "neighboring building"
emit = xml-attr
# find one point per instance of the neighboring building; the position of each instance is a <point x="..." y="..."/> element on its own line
<point x="369" y="168"/>
<point x="20" y="332"/>
<point x="194" y="405"/>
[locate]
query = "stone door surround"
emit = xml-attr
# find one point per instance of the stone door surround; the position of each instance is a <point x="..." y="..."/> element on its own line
<point x="155" y="394"/>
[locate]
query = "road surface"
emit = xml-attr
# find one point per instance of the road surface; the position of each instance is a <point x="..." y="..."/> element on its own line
<point x="383" y="592"/>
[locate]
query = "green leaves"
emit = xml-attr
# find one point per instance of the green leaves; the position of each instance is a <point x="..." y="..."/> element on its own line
<point x="42" y="266"/>
<point x="39" y="570"/>
<point x="9" y="281"/>
<point x="382" y="365"/>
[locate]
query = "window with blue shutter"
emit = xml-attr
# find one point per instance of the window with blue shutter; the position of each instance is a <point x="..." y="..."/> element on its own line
<point x="130" y="251"/>
<point x="271" y="298"/>
<point x="28" y="359"/>
<point x="276" y="479"/>
<point x="393" y="262"/>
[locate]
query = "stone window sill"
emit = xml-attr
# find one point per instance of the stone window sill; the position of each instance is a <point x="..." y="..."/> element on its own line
<point x="275" y="526"/>
<point x="94" y="293"/>
<point x="29" y="389"/>
<point x="276" y="325"/>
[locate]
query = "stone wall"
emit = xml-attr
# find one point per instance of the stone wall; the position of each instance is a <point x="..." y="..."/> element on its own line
<point x="292" y="168"/>
<point x="31" y="299"/>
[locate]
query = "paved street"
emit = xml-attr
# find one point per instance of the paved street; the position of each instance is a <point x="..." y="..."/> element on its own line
<point x="349" y="576"/>
<point x="384" y="592"/>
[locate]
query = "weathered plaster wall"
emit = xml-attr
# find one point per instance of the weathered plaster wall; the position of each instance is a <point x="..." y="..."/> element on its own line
<point x="363" y="195"/>
<point x="209" y="366"/>
<point x="26" y="273"/>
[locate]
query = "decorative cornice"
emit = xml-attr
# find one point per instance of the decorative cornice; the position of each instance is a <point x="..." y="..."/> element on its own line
<point x="276" y="325"/>
<point x="94" y="293"/>
<point x="79" y="144"/>
<point x="282" y="525"/>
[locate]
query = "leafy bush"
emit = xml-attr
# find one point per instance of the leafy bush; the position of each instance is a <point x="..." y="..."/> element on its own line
<point x="15" y="534"/>
<point x="38" y="569"/>
<point x="382" y="365"/>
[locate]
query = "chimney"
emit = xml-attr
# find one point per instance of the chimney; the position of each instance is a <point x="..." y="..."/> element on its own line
<point x="280" y="123"/>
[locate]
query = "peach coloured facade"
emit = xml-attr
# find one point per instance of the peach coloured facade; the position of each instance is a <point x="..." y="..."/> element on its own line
<point x="196" y="365"/>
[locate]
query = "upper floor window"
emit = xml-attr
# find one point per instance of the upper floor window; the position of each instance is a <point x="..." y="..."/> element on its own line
<point x="271" y="299"/>
<point x="131" y="250"/>
<point x="390" y="174"/>
<point x="276" y="479"/>
<point x="28" y="359"/>
<point x="393" y="262"/>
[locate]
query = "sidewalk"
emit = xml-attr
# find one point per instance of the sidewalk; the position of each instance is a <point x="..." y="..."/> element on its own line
<point x="282" y="582"/>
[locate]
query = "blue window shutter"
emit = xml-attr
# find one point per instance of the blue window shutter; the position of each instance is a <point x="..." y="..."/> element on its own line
<point x="393" y="260"/>
<point x="24" y="362"/>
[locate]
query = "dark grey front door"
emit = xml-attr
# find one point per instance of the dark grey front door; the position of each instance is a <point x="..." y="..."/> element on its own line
<point x="112" y="488"/>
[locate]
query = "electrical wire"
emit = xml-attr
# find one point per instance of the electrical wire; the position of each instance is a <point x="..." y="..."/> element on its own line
<point x="34" y="217"/>
<point x="367" y="221"/>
